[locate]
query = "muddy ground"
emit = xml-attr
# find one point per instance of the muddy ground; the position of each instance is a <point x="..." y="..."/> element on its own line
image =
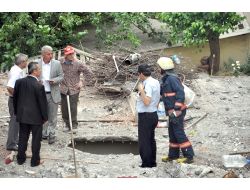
<point x="225" y="129"/>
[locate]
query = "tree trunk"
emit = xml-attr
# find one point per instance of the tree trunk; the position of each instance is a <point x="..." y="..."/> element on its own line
<point x="214" y="45"/>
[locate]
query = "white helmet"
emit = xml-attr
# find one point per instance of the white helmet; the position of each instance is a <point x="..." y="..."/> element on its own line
<point x="165" y="63"/>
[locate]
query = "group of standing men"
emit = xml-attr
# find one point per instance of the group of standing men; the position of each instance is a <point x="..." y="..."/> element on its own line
<point x="33" y="105"/>
<point x="33" y="100"/>
<point x="171" y="92"/>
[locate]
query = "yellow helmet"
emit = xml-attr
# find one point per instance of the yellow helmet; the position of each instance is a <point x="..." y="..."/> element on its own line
<point x="165" y="63"/>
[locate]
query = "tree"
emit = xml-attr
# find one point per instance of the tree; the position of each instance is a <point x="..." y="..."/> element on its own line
<point x="28" y="32"/>
<point x="118" y="26"/>
<point x="198" y="28"/>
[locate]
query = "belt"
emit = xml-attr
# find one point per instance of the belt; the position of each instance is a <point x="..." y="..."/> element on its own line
<point x="147" y="113"/>
<point x="47" y="92"/>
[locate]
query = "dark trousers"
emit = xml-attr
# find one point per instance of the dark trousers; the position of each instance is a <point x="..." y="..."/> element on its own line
<point x="147" y="123"/>
<point x="12" y="139"/>
<point x="24" y="134"/>
<point x="178" y="138"/>
<point x="73" y="99"/>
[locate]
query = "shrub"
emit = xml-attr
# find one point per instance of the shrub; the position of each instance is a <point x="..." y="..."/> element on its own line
<point x="245" y="68"/>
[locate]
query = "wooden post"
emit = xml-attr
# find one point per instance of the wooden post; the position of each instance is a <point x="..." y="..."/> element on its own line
<point x="71" y="132"/>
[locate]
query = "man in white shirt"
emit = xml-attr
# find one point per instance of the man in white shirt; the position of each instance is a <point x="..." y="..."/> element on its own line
<point x="16" y="72"/>
<point x="51" y="76"/>
<point x="146" y="105"/>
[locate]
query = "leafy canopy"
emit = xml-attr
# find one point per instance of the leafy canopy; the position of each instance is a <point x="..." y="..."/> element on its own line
<point x="28" y="32"/>
<point x="195" y="28"/>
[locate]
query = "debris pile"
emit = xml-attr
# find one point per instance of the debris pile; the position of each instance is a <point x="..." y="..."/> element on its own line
<point x="117" y="73"/>
<point x="217" y="124"/>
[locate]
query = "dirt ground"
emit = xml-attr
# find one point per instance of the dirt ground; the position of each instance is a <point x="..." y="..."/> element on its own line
<point x="225" y="129"/>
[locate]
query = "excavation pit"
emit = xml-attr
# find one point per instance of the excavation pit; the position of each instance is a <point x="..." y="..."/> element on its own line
<point x="107" y="146"/>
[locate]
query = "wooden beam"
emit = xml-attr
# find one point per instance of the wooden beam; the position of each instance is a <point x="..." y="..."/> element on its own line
<point x="234" y="153"/>
<point x="84" y="53"/>
<point x="105" y="120"/>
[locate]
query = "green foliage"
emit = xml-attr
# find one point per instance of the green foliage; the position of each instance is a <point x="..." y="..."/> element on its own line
<point x="28" y="32"/>
<point x="245" y="68"/>
<point x="232" y="67"/>
<point x="196" y="28"/>
<point x="236" y="68"/>
<point x="114" y="27"/>
<point x="227" y="67"/>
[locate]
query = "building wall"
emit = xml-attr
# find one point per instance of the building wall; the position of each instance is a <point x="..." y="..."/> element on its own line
<point x="247" y="15"/>
<point x="237" y="48"/>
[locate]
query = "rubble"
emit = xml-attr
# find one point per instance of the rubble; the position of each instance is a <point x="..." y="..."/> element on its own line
<point x="224" y="129"/>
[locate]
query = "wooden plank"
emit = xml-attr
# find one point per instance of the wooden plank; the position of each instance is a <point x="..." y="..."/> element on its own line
<point x="105" y="120"/>
<point x="132" y="103"/>
<point x="235" y="153"/>
<point x="84" y="53"/>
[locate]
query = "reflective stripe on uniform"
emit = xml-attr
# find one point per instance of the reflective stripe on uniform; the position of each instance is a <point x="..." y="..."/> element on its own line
<point x="169" y="94"/>
<point x="182" y="145"/>
<point x="174" y="145"/>
<point x="185" y="144"/>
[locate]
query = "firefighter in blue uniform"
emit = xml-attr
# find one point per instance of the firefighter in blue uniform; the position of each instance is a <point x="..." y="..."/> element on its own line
<point x="173" y="96"/>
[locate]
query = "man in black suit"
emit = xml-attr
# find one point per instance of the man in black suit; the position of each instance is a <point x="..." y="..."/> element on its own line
<point x="30" y="108"/>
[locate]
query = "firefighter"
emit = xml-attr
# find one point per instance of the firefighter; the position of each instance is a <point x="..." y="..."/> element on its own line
<point x="173" y="96"/>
